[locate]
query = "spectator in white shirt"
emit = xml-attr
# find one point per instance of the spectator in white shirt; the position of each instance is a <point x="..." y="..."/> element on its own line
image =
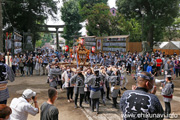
<point x="21" y="106"/>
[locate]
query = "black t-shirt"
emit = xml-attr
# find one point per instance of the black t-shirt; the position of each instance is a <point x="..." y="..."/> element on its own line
<point x="29" y="63"/>
<point x="49" y="112"/>
<point x="140" y="105"/>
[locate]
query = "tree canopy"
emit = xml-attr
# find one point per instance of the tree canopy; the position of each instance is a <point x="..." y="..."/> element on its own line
<point x="102" y="23"/>
<point x="45" y="38"/>
<point x="155" y="15"/>
<point x="173" y="32"/>
<point x="71" y="18"/>
<point x="118" y="25"/>
<point x="26" y="14"/>
<point x="87" y="5"/>
<point x="98" y="19"/>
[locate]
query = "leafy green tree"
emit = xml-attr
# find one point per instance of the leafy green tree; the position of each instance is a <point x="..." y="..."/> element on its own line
<point x="173" y="32"/>
<point x="102" y="23"/>
<point x="82" y="3"/>
<point x="120" y="26"/>
<point x="134" y="29"/>
<point x="71" y="18"/>
<point x="44" y="38"/>
<point x="155" y="14"/>
<point x="38" y="43"/>
<point x="26" y="14"/>
<point x="98" y="19"/>
<point x="47" y="38"/>
<point x="87" y="5"/>
<point x="114" y="25"/>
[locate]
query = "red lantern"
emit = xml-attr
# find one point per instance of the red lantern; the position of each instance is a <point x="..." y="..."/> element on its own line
<point x="66" y="48"/>
<point x="10" y="35"/>
<point x="82" y="41"/>
<point x="6" y="34"/>
<point x="93" y="49"/>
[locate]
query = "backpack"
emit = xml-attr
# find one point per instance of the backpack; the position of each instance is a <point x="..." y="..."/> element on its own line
<point x="3" y="72"/>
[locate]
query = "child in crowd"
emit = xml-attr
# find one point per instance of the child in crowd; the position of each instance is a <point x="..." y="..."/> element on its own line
<point x="149" y="68"/>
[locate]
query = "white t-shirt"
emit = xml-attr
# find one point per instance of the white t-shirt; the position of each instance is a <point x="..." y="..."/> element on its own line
<point x="21" y="108"/>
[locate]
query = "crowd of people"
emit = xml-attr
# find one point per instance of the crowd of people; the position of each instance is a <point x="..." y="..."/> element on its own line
<point x="106" y="74"/>
<point x="155" y="62"/>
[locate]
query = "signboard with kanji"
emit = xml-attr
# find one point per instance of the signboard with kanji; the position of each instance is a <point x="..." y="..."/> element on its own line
<point x="17" y="43"/>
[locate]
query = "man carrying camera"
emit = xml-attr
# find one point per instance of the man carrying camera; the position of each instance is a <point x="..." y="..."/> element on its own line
<point x="94" y="81"/>
<point x="22" y="106"/>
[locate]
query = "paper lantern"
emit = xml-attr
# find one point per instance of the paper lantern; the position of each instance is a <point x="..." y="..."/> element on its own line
<point x="66" y="48"/>
<point x="93" y="49"/>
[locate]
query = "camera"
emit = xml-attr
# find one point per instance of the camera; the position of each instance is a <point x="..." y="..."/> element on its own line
<point x="33" y="97"/>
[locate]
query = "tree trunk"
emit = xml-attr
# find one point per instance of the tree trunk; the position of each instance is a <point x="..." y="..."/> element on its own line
<point x="150" y="36"/>
<point x="1" y="26"/>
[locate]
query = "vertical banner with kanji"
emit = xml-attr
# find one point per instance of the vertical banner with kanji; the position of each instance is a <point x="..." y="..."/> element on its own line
<point x="99" y="44"/>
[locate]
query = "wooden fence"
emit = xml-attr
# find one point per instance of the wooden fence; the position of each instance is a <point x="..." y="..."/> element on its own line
<point x="134" y="46"/>
<point x="168" y="51"/>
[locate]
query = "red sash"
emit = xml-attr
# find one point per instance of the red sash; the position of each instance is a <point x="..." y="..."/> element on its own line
<point x="168" y="96"/>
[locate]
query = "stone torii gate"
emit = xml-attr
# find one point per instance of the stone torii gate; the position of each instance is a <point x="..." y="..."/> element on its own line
<point x="52" y="26"/>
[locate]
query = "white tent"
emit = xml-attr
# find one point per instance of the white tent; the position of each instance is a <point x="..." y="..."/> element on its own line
<point x="163" y="44"/>
<point x="177" y="43"/>
<point x="170" y="45"/>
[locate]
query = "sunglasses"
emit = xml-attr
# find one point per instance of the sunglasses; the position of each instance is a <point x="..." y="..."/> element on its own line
<point x="145" y="77"/>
